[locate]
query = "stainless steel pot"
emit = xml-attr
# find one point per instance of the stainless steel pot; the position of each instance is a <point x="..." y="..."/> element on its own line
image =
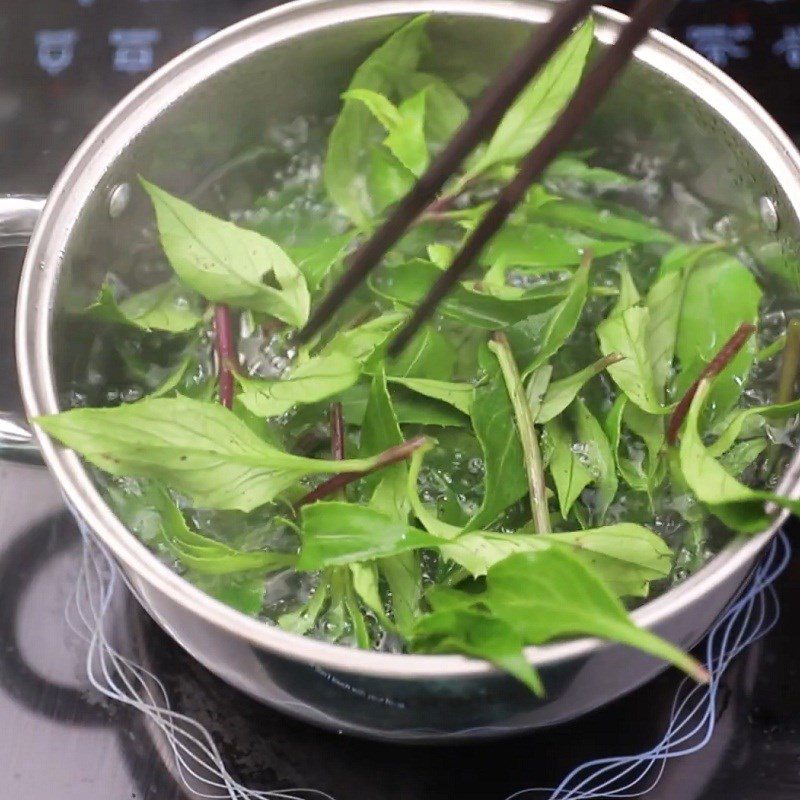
<point x="210" y="103"/>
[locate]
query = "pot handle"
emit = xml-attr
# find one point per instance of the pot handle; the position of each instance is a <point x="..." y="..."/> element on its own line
<point x="18" y="216"/>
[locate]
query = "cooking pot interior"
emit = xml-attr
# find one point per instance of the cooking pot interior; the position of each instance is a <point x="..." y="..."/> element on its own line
<point x="216" y="127"/>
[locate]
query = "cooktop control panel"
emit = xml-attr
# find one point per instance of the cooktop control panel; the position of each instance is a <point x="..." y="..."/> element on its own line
<point x="63" y="63"/>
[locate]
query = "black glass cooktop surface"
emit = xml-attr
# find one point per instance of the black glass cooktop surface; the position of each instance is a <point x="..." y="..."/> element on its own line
<point x="62" y="65"/>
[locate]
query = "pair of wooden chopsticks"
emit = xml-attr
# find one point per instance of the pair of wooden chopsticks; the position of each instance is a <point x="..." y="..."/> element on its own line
<point x="484" y="119"/>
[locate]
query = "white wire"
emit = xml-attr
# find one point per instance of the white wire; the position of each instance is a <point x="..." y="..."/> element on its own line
<point x="199" y="763"/>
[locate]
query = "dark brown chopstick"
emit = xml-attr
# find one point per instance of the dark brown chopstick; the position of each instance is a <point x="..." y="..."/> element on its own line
<point x="482" y="121"/>
<point x="646" y="15"/>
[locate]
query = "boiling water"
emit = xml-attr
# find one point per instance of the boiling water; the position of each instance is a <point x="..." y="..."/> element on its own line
<point x="284" y="198"/>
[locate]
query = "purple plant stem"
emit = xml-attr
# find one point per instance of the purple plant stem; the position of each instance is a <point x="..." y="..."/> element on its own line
<point x="391" y="456"/>
<point x="226" y="353"/>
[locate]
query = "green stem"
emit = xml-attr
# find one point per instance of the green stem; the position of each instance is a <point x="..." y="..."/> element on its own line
<point x="790" y="367"/>
<point x="771" y="349"/>
<point x="527" y="432"/>
<point x="790" y="363"/>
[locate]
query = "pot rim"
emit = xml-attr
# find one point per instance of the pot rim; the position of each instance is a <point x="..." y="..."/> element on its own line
<point x="88" y="166"/>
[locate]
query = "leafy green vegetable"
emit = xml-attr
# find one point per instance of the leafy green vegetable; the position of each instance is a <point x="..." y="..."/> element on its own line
<point x="429" y="356"/>
<point x="404" y="124"/>
<point x="626" y="333"/>
<point x="350" y="138"/>
<point x="477" y="634"/>
<point x="529" y="439"/>
<point x="742" y="455"/>
<point x="598" y="457"/>
<point x="737" y="505"/>
<point x="568" y="170"/>
<point x="537" y="107"/>
<point x="569" y="470"/>
<point x="547" y="336"/>
<point x="452" y="557"/>
<point x="601" y="222"/>
<point x="555" y="396"/>
<point x="196" y="552"/>
<point x="317" y="261"/>
<point x="732" y="426"/>
<point x="408" y="283"/>
<point x="366" y="342"/>
<point x="165" y="307"/>
<point x="493" y="422"/>
<point x="228" y="264"/>
<point x="721" y="293"/>
<point x="336" y="533"/>
<point x="542" y="596"/>
<point x="316" y="379"/>
<point x="535" y="247"/>
<point x="380" y="430"/>
<point x="199" y="449"/>
<point x="550" y="594"/>
<point x="410" y="408"/>
<point x="303" y="619"/>
<point x="458" y="395"/>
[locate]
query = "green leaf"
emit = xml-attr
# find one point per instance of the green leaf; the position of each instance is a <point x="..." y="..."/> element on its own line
<point x="198" y="553"/>
<point x="663" y="303"/>
<point x="408" y="283"/>
<point x="597" y="456"/>
<point x="315" y="262"/>
<point x="742" y="455"/>
<point x="721" y="294"/>
<point x="303" y="619"/>
<point x="458" y="395"/>
<point x="436" y="527"/>
<point x="737" y="505"/>
<point x="366" y="342"/>
<point x="316" y="379"/>
<point x="475" y="634"/>
<point x="627" y="334"/>
<point x="600" y="221"/>
<point x="201" y="450"/>
<point x="165" y="307"/>
<point x="557" y="395"/>
<point x="731" y="427"/>
<point x="366" y="584"/>
<point x="174" y="379"/>
<point x="628" y="293"/>
<point x="429" y="356"/>
<point x="493" y="422"/>
<point x="350" y="139"/>
<point x="642" y="466"/>
<point x="561" y="323"/>
<point x="388" y="180"/>
<point x="538" y="105"/>
<point x="569" y="470"/>
<point x="626" y="556"/>
<point x="570" y="171"/>
<point x="410" y="408"/>
<point x="404" y="579"/>
<point x="245" y="593"/>
<point x="335" y="533"/>
<point x="550" y="594"/>
<point x="380" y="431"/>
<point x="445" y="110"/>
<point x="228" y="264"/>
<point x="404" y="124"/>
<point x="534" y="247"/>
<point x="536" y="389"/>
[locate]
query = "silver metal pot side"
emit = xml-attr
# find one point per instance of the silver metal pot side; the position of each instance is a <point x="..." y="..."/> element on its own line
<point x="294" y="59"/>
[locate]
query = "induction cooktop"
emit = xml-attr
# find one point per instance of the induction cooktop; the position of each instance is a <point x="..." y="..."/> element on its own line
<point x="63" y="63"/>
